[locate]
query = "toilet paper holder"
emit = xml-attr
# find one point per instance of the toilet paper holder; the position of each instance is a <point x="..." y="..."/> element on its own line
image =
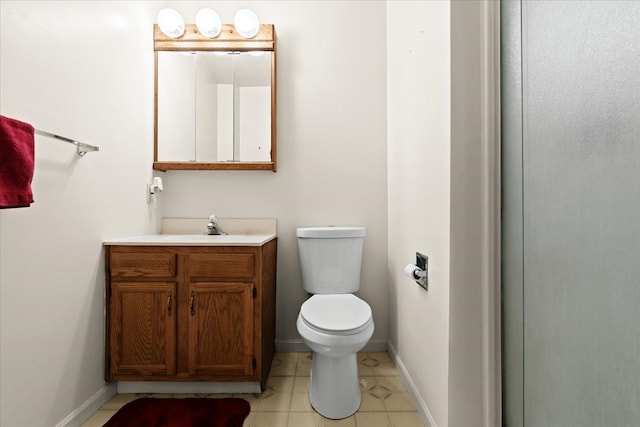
<point x="419" y="271"/>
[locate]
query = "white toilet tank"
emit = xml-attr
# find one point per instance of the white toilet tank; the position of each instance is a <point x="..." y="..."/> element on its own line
<point x="330" y="258"/>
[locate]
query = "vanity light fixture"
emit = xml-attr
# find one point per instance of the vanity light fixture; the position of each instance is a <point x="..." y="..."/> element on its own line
<point x="171" y="23"/>
<point x="208" y="23"/>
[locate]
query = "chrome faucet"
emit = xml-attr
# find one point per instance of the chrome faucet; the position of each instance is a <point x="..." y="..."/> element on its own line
<point x="213" y="228"/>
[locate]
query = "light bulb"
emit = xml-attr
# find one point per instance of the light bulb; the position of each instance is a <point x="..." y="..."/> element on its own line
<point x="246" y="23"/>
<point x="208" y="23"/>
<point x="171" y="23"/>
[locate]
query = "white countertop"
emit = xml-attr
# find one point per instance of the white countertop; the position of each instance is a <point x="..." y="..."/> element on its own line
<point x="193" y="240"/>
<point x="192" y="232"/>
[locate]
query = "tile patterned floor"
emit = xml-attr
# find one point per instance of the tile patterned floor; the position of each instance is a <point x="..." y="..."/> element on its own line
<point x="285" y="401"/>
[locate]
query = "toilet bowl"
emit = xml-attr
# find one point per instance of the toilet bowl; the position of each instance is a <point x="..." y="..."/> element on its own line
<point x="335" y="327"/>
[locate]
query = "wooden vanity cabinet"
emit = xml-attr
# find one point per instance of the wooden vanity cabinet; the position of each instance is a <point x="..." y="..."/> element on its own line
<point x="198" y="313"/>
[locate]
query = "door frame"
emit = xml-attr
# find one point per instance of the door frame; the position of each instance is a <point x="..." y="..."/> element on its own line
<point x="492" y="205"/>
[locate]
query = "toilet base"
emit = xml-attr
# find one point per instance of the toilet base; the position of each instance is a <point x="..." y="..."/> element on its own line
<point x="334" y="390"/>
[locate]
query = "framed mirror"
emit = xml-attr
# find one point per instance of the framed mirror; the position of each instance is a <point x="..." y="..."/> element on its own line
<point x="215" y="100"/>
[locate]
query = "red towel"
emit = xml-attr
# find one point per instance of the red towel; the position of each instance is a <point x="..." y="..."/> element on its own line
<point x="16" y="163"/>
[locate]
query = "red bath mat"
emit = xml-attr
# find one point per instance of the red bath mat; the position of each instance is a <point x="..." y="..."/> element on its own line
<point x="176" y="412"/>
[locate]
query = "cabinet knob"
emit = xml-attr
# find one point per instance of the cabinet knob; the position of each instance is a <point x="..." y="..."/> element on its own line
<point x="169" y="310"/>
<point x="193" y="309"/>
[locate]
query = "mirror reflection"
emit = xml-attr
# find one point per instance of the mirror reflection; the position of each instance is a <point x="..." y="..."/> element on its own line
<point x="214" y="106"/>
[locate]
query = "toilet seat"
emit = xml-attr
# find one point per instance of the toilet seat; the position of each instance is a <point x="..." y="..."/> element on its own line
<point x="341" y="314"/>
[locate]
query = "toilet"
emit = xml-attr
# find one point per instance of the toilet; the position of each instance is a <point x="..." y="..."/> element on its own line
<point x="334" y="323"/>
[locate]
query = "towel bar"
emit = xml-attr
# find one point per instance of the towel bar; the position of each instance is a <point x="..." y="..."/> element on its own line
<point x="81" y="146"/>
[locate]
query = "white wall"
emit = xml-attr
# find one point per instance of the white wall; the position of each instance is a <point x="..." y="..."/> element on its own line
<point x="83" y="70"/>
<point x="331" y="147"/>
<point x="418" y="87"/>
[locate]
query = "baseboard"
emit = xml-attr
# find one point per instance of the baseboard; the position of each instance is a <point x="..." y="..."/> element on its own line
<point x="298" y="346"/>
<point x="423" y="410"/>
<point x="88" y="408"/>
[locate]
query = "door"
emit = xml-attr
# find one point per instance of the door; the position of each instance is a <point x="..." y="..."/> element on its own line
<point x="143" y="329"/>
<point x="221" y="328"/>
<point x="571" y="213"/>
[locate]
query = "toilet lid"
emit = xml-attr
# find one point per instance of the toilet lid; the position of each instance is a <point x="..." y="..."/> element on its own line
<point x="341" y="312"/>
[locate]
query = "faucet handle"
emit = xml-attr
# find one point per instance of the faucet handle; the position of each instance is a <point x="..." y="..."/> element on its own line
<point x="212" y="218"/>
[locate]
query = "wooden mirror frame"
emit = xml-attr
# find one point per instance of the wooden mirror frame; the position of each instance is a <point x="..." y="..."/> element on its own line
<point x="227" y="40"/>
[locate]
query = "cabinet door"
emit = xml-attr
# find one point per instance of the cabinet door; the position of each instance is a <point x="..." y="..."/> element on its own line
<point x="143" y="328"/>
<point x="221" y="329"/>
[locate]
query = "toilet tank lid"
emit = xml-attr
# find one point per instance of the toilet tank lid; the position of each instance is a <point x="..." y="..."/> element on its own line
<point x="330" y="232"/>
